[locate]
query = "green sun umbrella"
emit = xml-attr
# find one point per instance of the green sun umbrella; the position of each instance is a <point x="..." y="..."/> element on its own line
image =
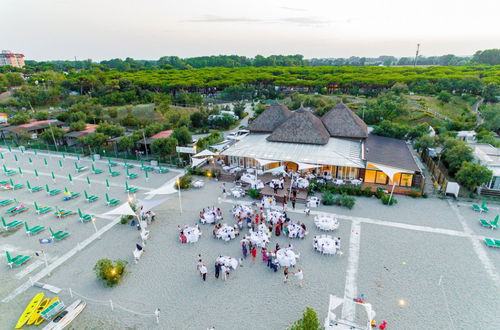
<point x="36" y="153"/>
<point x="45" y="162"/>
<point x="20" y="171"/>
<point x="36" y="173"/>
<point x="10" y="150"/>
<point x="53" y="176"/>
<point x="30" y="160"/>
<point x="70" y="178"/>
<point x="15" y="157"/>
<point x="63" y="155"/>
<point x="88" y="181"/>
<point x="107" y="184"/>
<point x="60" y="164"/>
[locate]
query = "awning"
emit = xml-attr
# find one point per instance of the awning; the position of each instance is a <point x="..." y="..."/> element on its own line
<point x="280" y="169"/>
<point x="198" y="161"/>
<point x="205" y="153"/>
<point x="303" y="166"/>
<point x="264" y="162"/>
<point x="123" y="209"/>
<point x="166" y="189"/>
<point x="391" y="171"/>
<point x="148" y="204"/>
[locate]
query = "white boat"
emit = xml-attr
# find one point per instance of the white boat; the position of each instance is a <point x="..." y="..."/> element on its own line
<point x="66" y="316"/>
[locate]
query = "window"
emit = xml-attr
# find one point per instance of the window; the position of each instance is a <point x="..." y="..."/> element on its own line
<point x="381" y="178"/>
<point x="370" y="176"/>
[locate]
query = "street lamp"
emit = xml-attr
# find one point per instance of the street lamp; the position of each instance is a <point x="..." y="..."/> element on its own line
<point x="95" y="227"/>
<point x="178" y="182"/>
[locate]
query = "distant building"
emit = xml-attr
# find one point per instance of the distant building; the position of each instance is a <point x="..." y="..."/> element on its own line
<point x="71" y="138"/>
<point x="489" y="156"/>
<point x="9" y="58"/>
<point x="145" y="144"/>
<point x="33" y="128"/>
<point x="467" y="136"/>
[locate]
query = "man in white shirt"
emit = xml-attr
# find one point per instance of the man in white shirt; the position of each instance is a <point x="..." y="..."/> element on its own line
<point x="203" y="272"/>
<point x="300" y="276"/>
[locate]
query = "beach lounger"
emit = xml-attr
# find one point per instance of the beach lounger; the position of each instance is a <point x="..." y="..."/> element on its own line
<point x="52" y="192"/>
<point x="90" y="198"/>
<point x="96" y="170"/>
<point x="484" y="208"/>
<point x="33" y="189"/>
<point x="18" y="260"/>
<point x="16" y="186"/>
<point x="113" y="173"/>
<point x="33" y="230"/>
<point x="162" y="170"/>
<point x="17" y="209"/>
<point x="62" y="213"/>
<point x="80" y="168"/>
<point x="131" y="175"/>
<point x="58" y="235"/>
<point x="69" y="195"/>
<point x="8" y="172"/>
<point x="111" y="201"/>
<point x="146" y="167"/>
<point x="130" y="190"/>
<point x="6" y="202"/>
<point x="490" y="242"/>
<point x="126" y="165"/>
<point x="111" y="164"/>
<point x="3" y="183"/>
<point x="84" y="217"/>
<point x="10" y="225"/>
<point x="42" y="209"/>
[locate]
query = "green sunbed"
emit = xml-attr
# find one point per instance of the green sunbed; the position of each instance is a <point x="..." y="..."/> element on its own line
<point x="162" y="170"/>
<point x="80" y="168"/>
<point x="3" y="183"/>
<point x="126" y="165"/>
<point x="490" y="242"/>
<point x="62" y="213"/>
<point x="52" y="192"/>
<point x="112" y="164"/>
<point x="42" y="209"/>
<point x="130" y="190"/>
<point x="33" y="230"/>
<point x="58" y="235"/>
<point x="33" y="189"/>
<point x="17" y="210"/>
<point x="131" y="175"/>
<point x="113" y="173"/>
<point x="16" y="186"/>
<point x="6" y="202"/>
<point x="111" y="201"/>
<point x="85" y="217"/>
<point x="96" y="170"/>
<point x="10" y="225"/>
<point x="17" y="260"/>
<point x="90" y="198"/>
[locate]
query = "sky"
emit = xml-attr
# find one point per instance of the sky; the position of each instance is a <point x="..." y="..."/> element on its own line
<point x="149" y="29"/>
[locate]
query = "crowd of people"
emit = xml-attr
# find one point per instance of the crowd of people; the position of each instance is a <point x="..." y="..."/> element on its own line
<point x="210" y="215"/>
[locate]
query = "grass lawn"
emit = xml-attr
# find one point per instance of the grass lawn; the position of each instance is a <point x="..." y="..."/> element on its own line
<point x="453" y="110"/>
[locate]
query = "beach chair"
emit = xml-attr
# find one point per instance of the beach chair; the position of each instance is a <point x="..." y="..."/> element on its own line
<point x="84" y="217"/>
<point x="146" y="167"/>
<point x="131" y="175"/>
<point x="490" y="242"/>
<point x="10" y="225"/>
<point x="17" y="209"/>
<point x="493" y="224"/>
<point x="162" y="170"/>
<point x="90" y="198"/>
<point x="130" y="190"/>
<point x="33" y="189"/>
<point x="480" y="208"/>
<point x="16" y="186"/>
<point x="484" y="208"/>
<point x="126" y="165"/>
<point x="62" y="213"/>
<point x="6" y="202"/>
<point x="42" y="209"/>
<point x="58" y="235"/>
<point x="52" y="192"/>
<point x="113" y="173"/>
<point x="69" y="195"/>
<point x="111" y="164"/>
<point x="8" y="172"/>
<point x="33" y="230"/>
<point x="96" y="170"/>
<point x="4" y="182"/>
<point x="80" y="168"/>
<point x="18" y="260"/>
<point x="111" y="201"/>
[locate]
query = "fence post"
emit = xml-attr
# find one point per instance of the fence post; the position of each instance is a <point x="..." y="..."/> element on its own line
<point x="157" y="314"/>
<point x="111" y="304"/>
<point x="71" y="292"/>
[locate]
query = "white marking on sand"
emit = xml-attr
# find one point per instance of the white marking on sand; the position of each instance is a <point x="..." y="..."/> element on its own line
<point x="47" y="270"/>
<point x="34" y="265"/>
<point x="351" y="284"/>
<point x="477" y="246"/>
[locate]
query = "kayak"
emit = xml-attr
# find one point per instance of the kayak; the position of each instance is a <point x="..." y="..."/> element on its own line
<point x="68" y="318"/>
<point x="36" y="314"/>
<point x="40" y="318"/>
<point x="32" y="306"/>
<point x="60" y="318"/>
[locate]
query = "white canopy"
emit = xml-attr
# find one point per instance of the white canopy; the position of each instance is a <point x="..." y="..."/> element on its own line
<point x="198" y="161"/>
<point x="123" y="209"/>
<point x="166" y="189"/>
<point x="391" y="171"/>
<point x="148" y="204"/>
<point x="264" y="162"/>
<point x="205" y="153"/>
<point x="303" y="166"/>
<point x="280" y="169"/>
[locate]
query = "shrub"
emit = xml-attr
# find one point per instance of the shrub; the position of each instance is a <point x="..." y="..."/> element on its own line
<point x="367" y="192"/>
<point x="328" y="198"/>
<point x="111" y="272"/>
<point x="379" y="193"/>
<point x="309" y="321"/>
<point x="346" y="201"/>
<point x="184" y="182"/>
<point x="125" y="219"/>
<point x="385" y="200"/>
<point x="253" y="193"/>
<point x="414" y="193"/>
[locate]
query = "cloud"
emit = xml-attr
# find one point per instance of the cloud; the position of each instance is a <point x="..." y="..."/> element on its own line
<point x="219" y="19"/>
<point x="305" y="20"/>
<point x="301" y="20"/>
<point x="292" y="8"/>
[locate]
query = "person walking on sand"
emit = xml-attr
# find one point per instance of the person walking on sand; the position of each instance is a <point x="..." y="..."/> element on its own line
<point x="300" y="276"/>
<point x="223" y="189"/>
<point x="285" y="273"/>
<point x="244" y="249"/>
<point x="254" y="253"/>
<point x="203" y="272"/>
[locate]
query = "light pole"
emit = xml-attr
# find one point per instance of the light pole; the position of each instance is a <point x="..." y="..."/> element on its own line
<point x="178" y="182"/>
<point x="95" y="227"/>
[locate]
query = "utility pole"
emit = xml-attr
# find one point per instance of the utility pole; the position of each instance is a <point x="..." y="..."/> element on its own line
<point x="416" y="55"/>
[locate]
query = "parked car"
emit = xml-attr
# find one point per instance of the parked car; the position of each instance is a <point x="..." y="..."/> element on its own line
<point x="238" y="135"/>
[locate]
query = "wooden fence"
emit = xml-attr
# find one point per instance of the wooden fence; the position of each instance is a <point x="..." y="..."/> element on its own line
<point x="437" y="170"/>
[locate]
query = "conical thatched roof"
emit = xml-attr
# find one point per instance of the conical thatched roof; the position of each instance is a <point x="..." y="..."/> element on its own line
<point x="340" y="121"/>
<point x="301" y="127"/>
<point x="270" y="119"/>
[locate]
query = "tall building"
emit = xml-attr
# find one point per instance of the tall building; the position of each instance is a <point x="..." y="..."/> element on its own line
<point x="9" y="58"/>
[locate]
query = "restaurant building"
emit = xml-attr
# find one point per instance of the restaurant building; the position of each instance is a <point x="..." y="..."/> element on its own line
<point x="336" y="145"/>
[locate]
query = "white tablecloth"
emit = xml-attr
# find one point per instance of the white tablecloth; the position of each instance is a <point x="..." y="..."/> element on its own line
<point x="228" y="261"/>
<point x="326" y="222"/>
<point x="286" y="257"/>
<point x="295" y="230"/>
<point x="237" y="192"/>
<point x="302" y="183"/>
<point x="192" y="234"/>
<point x="356" y="182"/>
<point x="268" y="202"/>
<point x="225" y="233"/>
<point x="259" y="238"/>
<point x="242" y="211"/>
<point x="208" y="217"/>
<point x="274" y="216"/>
<point x="325" y="244"/>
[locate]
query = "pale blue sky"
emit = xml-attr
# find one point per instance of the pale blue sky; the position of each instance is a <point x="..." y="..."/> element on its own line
<point x="148" y="29"/>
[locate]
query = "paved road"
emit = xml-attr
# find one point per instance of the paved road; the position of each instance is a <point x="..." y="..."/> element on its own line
<point x="475" y="110"/>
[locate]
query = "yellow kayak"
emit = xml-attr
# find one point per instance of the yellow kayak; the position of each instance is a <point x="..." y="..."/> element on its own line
<point x="32" y="306"/>
<point x="36" y="314"/>
<point x="40" y="318"/>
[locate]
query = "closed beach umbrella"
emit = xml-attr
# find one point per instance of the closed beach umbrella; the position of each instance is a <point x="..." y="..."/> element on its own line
<point x="78" y="156"/>
<point x="45" y="161"/>
<point x="15" y="157"/>
<point x="36" y="173"/>
<point x="92" y="157"/>
<point x="70" y="178"/>
<point x="60" y="164"/>
<point x="30" y="160"/>
<point x="64" y="156"/>
<point x="34" y="150"/>
<point x="88" y="181"/>
<point x="147" y="175"/>
<point x="53" y="176"/>
<point x="107" y="184"/>
<point x="10" y="150"/>
<point x="1" y="155"/>
<point x="20" y="171"/>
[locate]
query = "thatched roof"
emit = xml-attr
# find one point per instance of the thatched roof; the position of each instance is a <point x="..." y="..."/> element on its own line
<point x="340" y="121"/>
<point x="301" y="127"/>
<point x="270" y="119"/>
